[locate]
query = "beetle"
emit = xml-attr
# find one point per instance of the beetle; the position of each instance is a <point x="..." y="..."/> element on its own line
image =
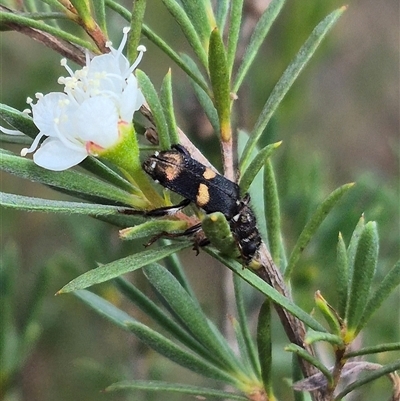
<point x="176" y="170"/>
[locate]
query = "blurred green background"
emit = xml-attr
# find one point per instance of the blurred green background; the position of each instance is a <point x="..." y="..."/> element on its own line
<point x="339" y="123"/>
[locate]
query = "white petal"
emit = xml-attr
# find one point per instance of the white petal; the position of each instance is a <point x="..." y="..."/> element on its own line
<point x="97" y="121"/>
<point x="130" y="100"/>
<point x="46" y="111"/>
<point x="53" y="155"/>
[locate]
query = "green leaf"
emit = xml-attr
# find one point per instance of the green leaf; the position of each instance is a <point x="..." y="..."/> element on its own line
<point x="151" y="228"/>
<point x="201" y="16"/>
<point x="219" y="233"/>
<point x="386" y="287"/>
<point x="83" y="10"/>
<point x="19" y="120"/>
<point x="219" y="76"/>
<point x="203" y="96"/>
<point x="16" y="139"/>
<point x="168" y="107"/>
<point x="287" y="79"/>
<point x="73" y="181"/>
<point x="316" y="336"/>
<point x="187" y="28"/>
<point x="100" y="12"/>
<point x="273" y="216"/>
<point x="329" y="314"/>
<point x="250" y="348"/>
<point x="135" y="34"/>
<point x="44" y="205"/>
<point x="302" y="353"/>
<point x="255" y="166"/>
<point x="221" y="13"/>
<point x="342" y="276"/>
<point x="190" y="313"/>
<point x="267" y="290"/>
<point x="233" y="33"/>
<point x="197" y="77"/>
<point x="156" y="108"/>
<point x="313" y="224"/>
<point x="161" y="318"/>
<point x="174" y="265"/>
<point x="121" y="266"/>
<point x="364" y="269"/>
<point x="264" y="345"/>
<point x="14" y="18"/>
<point x="375" y="349"/>
<point x="151" y="338"/>
<point x="257" y="38"/>
<point x="352" y="248"/>
<point x="176" y="354"/>
<point x="163" y="387"/>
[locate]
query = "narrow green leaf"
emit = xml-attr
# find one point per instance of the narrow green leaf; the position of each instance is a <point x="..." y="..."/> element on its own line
<point x="174" y="265"/>
<point x="302" y="353"/>
<point x="45" y="205"/>
<point x="168" y="106"/>
<point x="342" y="276"/>
<point x="267" y="290"/>
<point x="352" y="248"/>
<point x="121" y="266"/>
<point x="16" y="139"/>
<point x="251" y="351"/>
<point x="187" y="28"/>
<point x="221" y="13"/>
<point x="156" y="108"/>
<point x="241" y="344"/>
<point x="135" y="34"/>
<point x="219" y="233"/>
<point x="189" y="312"/>
<point x="375" y="349"/>
<point x="273" y="216"/>
<point x="161" y="387"/>
<point x="316" y="336"/>
<point x="151" y="338"/>
<point x="329" y="314"/>
<point x="264" y="345"/>
<point x="386" y="287"/>
<point x="219" y="76"/>
<point x="203" y="96"/>
<point x="161" y="318"/>
<point x="201" y="16"/>
<point x="176" y="354"/>
<point x="19" y="120"/>
<point x="287" y="79"/>
<point x="151" y="228"/>
<point x="257" y="38"/>
<point x="233" y="33"/>
<point x="105" y="308"/>
<point x="197" y="77"/>
<point x="83" y="10"/>
<point x="70" y="180"/>
<point x="255" y="166"/>
<point x="313" y="224"/>
<point x="100" y="11"/>
<point x="364" y="269"/>
<point x="7" y="17"/>
<point x="369" y="377"/>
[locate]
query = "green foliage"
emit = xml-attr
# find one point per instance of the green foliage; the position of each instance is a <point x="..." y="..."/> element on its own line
<point x="118" y="191"/>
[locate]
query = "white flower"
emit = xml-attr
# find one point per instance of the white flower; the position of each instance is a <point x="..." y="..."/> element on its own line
<point x="86" y="117"/>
